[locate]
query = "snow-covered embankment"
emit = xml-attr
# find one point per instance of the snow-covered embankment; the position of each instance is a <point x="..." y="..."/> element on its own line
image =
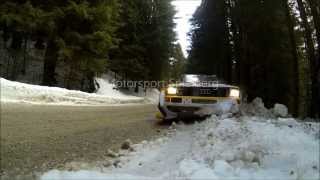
<point x="222" y="147"/>
<point x="12" y="91"/>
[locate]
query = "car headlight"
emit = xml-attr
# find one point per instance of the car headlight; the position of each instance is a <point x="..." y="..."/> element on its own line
<point x="234" y="93"/>
<point x="172" y="90"/>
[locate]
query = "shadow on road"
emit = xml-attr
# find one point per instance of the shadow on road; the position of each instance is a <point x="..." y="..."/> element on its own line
<point x="185" y="120"/>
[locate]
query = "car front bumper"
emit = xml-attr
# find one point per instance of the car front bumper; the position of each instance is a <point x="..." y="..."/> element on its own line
<point x="193" y="107"/>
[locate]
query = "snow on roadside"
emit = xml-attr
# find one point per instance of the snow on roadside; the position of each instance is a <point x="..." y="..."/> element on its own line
<point x="219" y="148"/>
<point x="106" y="86"/>
<point x="12" y="91"/>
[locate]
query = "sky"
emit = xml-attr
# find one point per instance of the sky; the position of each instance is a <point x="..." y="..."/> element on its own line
<point x="185" y="10"/>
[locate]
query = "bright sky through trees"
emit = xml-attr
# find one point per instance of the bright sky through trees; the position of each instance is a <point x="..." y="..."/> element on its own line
<point x="185" y="9"/>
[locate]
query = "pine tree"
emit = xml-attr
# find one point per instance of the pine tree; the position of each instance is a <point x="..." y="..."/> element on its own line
<point x="76" y="33"/>
<point x="129" y="59"/>
<point x="147" y="38"/>
<point x="18" y="23"/>
<point x="248" y="39"/>
<point x="310" y="48"/>
<point x="177" y="63"/>
<point x="160" y="39"/>
<point x="295" y="56"/>
<point x="315" y="11"/>
<point x="210" y="47"/>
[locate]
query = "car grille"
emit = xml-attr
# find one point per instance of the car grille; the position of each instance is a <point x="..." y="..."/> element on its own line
<point x="176" y="100"/>
<point x="204" y="101"/>
<point x="179" y="109"/>
<point x="203" y="92"/>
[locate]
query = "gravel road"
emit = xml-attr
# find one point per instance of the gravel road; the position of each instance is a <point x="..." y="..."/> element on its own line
<point x="36" y="138"/>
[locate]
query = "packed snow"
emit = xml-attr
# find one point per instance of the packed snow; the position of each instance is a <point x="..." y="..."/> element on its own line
<point x="17" y="92"/>
<point x="226" y="146"/>
<point x="107" y="87"/>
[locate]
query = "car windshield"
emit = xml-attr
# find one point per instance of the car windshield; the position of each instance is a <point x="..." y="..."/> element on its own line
<point x="192" y="78"/>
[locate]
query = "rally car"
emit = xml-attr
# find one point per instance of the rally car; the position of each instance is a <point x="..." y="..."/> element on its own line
<point x="194" y="95"/>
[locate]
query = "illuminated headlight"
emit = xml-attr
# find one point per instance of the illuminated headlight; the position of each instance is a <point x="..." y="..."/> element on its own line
<point x="234" y="93"/>
<point x="172" y="90"/>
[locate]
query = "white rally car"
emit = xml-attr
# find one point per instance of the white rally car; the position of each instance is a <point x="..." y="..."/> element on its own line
<point x="194" y="96"/>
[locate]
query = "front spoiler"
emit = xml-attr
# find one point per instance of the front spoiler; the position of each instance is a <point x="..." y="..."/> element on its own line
<point x="169" y="115"/>
<point x="204" y="110"/>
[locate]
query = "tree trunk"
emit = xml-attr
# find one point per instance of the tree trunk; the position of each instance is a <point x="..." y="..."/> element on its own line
<point x="8" y="65"/>
<point x="293" y="43"/>
<point x="228" y="39"/>
<point x="14" y="72"/>
<point x="91" y="85"/>
<point x="311" y="57"/>
<point x="23" y="71"/>
<point x="315" y="10"/>
<point x="50" y="63"/>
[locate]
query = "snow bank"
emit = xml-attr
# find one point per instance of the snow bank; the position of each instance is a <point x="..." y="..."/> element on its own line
<point x="86" y="175"/>
<point x="257" y="108"/>
<point x="221" y="108"/>
<point x="20" y="92"/>
<point x="107" y="87"/>
<point x="280" y="110"/>
<point x="257" y="148"/>
<point x="152" y="95"/>
<point x="219" y="148"/>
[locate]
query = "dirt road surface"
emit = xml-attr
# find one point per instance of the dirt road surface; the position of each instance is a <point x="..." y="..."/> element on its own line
<point x="41" y="137"/>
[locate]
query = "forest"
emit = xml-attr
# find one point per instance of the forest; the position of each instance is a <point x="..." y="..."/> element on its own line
<point x="269" y="48"/>
<point x="68" y="43"/>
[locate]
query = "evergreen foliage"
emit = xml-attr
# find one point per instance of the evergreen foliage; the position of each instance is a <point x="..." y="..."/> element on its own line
<point x="147" y="38"/>
<point x="257" y="45"/>
<point x="269" y="48"/>
<point x="177" y="63"/>
<point x="85" y="38"/>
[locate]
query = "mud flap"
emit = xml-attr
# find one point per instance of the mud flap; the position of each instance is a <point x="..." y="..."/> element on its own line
<point x="159" y="116"/>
